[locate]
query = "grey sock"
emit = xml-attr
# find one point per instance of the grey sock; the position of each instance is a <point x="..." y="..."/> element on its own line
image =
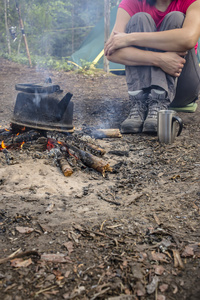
<point x="134" y="93"/>
<point x="159" y="92"/>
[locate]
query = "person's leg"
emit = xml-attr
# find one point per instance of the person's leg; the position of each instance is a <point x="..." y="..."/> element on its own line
<point x="143" y="77"/>
<point x="188" y="84"/>
<point x="139" y="78"/>
<point x="176" y="86"/>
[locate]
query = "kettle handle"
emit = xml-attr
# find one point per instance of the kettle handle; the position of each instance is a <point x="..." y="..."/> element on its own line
<point x="180" y="122"/>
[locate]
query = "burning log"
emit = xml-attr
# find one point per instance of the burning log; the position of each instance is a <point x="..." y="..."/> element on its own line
<point x="39" y="145"/>
<point x="65" y="167"/>
<point x="35" y="140"/>
<point x="98" y="150"/>
<point x="87" y="159"/>
<point x="4" y="134"/>
<point x="10" y="140"/>
<point x="92" y="161"/>
<point x="27" y="136"/>
<point x="107" y="133"/>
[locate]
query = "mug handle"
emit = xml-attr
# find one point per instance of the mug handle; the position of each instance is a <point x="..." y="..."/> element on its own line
<point x="180" y="122"/>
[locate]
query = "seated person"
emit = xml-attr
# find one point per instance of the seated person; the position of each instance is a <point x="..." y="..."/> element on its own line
<point x="156" y="40"/>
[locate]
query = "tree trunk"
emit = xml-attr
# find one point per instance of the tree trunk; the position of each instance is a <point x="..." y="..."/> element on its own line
<point x="23" y="32"/>
<point x="6" y="26"/>
<point x="106" y="30"/>
<point x="19" y="45"/>
<point x="72" y="28"/>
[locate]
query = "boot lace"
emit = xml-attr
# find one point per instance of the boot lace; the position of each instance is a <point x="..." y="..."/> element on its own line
<point x="155" y="106"/>
<point x="138" y="109"/>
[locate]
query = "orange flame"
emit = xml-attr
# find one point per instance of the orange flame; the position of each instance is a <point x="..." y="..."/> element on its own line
<point x="3" y="146"/>
<point x="50" y="145"/>
<point x="22" y="145"/>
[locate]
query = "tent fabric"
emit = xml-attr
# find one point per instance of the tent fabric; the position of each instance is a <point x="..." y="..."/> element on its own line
<point x="91" y="49"/>
<point x="198" y="51"/>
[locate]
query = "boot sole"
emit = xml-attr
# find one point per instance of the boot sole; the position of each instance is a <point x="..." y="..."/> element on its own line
<point x="131" y="130"/>
<point x="149" y="128"/>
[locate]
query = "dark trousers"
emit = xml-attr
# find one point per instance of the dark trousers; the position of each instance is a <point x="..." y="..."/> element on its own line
<point x="181" y="90"/>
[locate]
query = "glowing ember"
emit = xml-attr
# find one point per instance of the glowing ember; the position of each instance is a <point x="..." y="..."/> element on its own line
<point x="3" y="146"/>
<point x="50" y="145"/>
<point x="22" y="145"/>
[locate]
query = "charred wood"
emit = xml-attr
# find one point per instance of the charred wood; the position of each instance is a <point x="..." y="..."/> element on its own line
<point x="92" y="161"/>
<point x="119" y="153"/>
<point x="96" y="149"/>
<point x="12" y="141"/>
<point x="107" y="133"/>
<point x="27" y="136"/>
<point x="5" y="134"/>
<point x="65" y="167"/>
<point x="38" y="145"/>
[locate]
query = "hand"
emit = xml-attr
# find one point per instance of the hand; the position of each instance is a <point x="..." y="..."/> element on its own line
<point x="172" y="63"/>
<point x="116" y="41"/>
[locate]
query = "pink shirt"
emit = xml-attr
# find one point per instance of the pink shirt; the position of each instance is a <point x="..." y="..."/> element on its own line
<point x="134" y="6"/>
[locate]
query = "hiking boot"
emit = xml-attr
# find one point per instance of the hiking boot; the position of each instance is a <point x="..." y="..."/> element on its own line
<point x="136" y="117"/>
<point x="157" y="101"/>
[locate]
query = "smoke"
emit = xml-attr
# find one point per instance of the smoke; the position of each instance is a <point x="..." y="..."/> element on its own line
<point x="37" y="99"/>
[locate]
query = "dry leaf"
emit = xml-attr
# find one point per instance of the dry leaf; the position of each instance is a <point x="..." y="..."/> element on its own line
<point x="161" y="297"/>
<point x="153" y="285"/>
<point x="67" y="274"/>
<point x="157" y="219"/>
<point x="140" y="289"/>
<point x="58" y="258"/>
<point x="159" y="256"/>
<point x="20" y="263"/>
<point x="49" y="208"/>
<point x="163" y="287"/>
<point x="175" y="289"/>
<point x="24" y="229"/>
<point x="159" y="270"/>
<point x="69" y="246"/>
<point x="188" y="251"/>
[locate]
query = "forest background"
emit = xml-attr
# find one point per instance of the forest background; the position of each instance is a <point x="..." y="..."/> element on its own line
<point x="54" y="29"/>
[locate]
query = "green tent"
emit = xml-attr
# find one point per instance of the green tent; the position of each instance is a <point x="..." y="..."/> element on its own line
<point x="198" y="51"/>
<point x="92" y="48"/>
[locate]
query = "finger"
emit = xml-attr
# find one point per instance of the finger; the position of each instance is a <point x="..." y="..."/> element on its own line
<point x="177" y="74"/>
<point x="182" y="53"/>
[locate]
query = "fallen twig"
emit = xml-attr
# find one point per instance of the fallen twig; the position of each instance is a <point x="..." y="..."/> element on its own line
<point x="108" y="200"/>
<point x="44" y="290"/>
<point x="100" y="293"/>
<point x="177" y="259"/>
<point x="19" y="255"/>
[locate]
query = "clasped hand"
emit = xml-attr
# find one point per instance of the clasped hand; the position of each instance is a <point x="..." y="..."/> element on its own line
<point x="116" y="41"/>
<point x="172" y="63"/>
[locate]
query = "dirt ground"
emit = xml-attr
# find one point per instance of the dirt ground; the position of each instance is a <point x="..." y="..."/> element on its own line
<point x="133" y="234"/>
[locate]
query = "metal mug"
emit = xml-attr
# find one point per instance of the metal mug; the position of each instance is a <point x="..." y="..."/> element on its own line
<point x="167" y="123"/>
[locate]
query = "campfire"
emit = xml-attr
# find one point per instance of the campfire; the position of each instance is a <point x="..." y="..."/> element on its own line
<point x="41" y="122"/>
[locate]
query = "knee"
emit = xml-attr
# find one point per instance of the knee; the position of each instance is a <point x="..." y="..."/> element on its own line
<point x="175" y="19"/>
<point x="141" y="17"/>
<point x="139" y="20"/>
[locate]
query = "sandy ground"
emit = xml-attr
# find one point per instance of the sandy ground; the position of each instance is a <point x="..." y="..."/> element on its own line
<point x="149" y="204"/>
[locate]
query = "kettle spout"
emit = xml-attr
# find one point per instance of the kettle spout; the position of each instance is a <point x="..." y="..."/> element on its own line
<point x="62" y="105"/>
